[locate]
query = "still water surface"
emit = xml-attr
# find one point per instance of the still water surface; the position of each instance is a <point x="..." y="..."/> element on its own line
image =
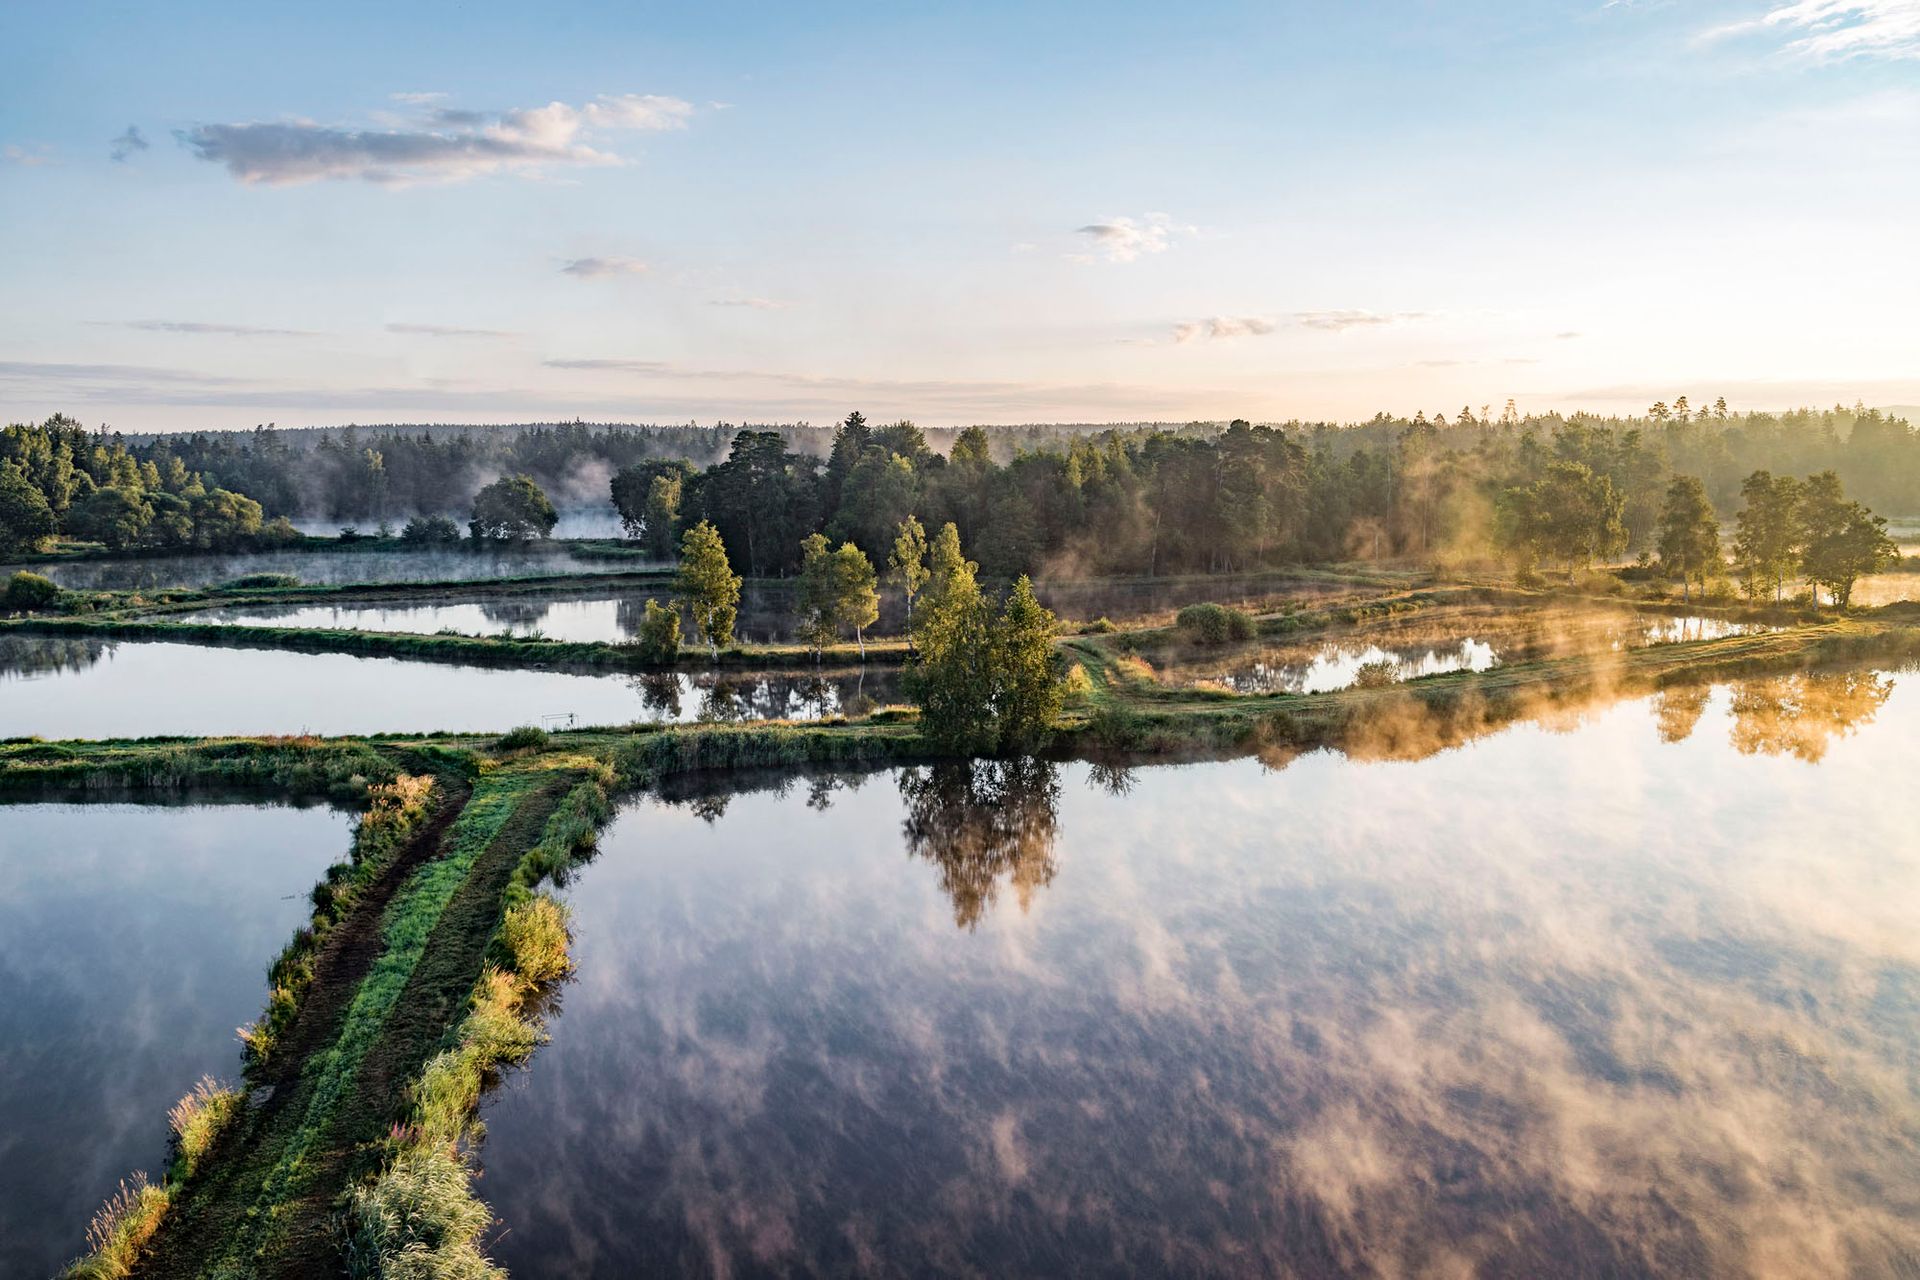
<point x="84" y="688"/>
<point x="147" y="573"/>
<point x="133" y="940"/>
<point x="1631" y="993"/>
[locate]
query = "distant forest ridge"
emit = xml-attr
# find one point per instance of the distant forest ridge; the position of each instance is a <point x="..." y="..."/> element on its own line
<point x="368" y="472"/>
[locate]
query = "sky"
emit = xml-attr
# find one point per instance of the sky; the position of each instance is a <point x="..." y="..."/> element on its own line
<point x="218" y="215"/>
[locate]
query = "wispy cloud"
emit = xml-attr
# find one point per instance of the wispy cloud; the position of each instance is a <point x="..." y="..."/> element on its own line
<point x="41" y="374"/>
<point x="204" y="327"/>
<point x="602" y="268"/>
<point x="128" y="144"/>
<point x="756" y="304"/>
<point x="30" y="156"/>
<point x="1126" y="239"/>
<point x="1341" y="321"/>
<point x="610" y="365"/>
<point x="449" y="331"/>
<point x="1831" y="30"/>
<point x="1223" y="327"/>
<point x="447" y="145"/>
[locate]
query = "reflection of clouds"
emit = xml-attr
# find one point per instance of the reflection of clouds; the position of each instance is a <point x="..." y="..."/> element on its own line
<point x="1586" y="1001"/>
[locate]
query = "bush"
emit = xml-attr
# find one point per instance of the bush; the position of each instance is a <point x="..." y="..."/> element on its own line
<point x="431" y="531"/>
<point x="659" y="638"/>
<point x="1376" y="675"/>
<point x="1078" y="683"/>
<point x="29" y="591"/>
<point x="279" y="532"/>
<point x="525" y="737"/>
<point x="1102" y="626"/>
<point x="1214" y="623"/>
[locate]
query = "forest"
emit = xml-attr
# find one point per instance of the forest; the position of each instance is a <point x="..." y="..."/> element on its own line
<point x="1140" y="499"/>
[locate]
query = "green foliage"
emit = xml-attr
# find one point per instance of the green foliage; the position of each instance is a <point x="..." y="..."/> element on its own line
<point x="27" y="592"/>
<point x="1375" y="675"/>
<point x="907" y="562"/>
<point x="1843" y="541"/>
<point x="525" y="738"/>
<point x="1570" y="515"/>
<point x="534" y="936"/>
<point x="837" y="589"/>
<point x="26" y="520"/>
<point x="1214" y="624"/>
<point x="648" y="497"/>
<point x="431" y="531"/>
<point x="195" y="1122"/>
<point x="659" y="637"/>
<point x="1767" y="535"/>
<point x="112" y="516"/>
<point x="708" y="584"/>
<point x="1689" y="540"/>
<point x="983" y="684"/>
<point x="512" y="509"/>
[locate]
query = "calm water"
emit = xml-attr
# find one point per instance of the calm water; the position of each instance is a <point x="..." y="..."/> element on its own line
<point x="1632" y="993"/>
<point x="608" y="621"/>
<point x="133" y="940"/>
<point x="325" y="567"/>
<point x="1472" y="640"/>
<point x="80" y="688"/>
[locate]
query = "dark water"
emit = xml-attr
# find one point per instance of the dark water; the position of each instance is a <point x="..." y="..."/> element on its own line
<point x="1461" y="640"/>
<point x="1636" y="992"/>
<point x="59" y="687"/>
<point x="133" y="940"/>
<point x="203" y="570"/>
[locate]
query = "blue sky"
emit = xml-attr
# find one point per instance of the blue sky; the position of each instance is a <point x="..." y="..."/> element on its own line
<point x="981" y="213"/>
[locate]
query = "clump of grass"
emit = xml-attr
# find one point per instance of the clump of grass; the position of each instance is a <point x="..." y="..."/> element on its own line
<point x="1078" y="684"/>
<point x="1132" y="666"/>
<point x="1101" y="626"/>
<point x="419" y="1220"/>
<point x="1214" y="623"/>
<point x="121" y="1230"/>
<point x="534" y="936"/>
<point x="196" y="1121"/>
<point x="261" y="582"/>
<point x="525" y="738"/>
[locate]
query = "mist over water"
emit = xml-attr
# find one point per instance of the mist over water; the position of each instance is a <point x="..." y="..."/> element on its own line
<point x="133" y="940"/>
<point x="324" y="566"/>
<point x="1635" y="991"/>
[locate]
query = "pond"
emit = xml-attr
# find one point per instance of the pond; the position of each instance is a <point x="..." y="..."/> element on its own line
<point x="1634" y="992"/>
<point x="85" y="688"/>
<point x="1459" y="640"/>
<point x="326" y="566"/>
<point x="606" y="620"/>
<point x="133" y="940"/>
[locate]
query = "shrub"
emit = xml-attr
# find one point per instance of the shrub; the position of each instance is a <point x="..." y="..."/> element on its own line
<point x="1375" y="675"/>
<point x="526" y="737"/>
<point x="1078" y="683"/>
<point x="1214" y="623"/>
<point x="1102" y="626"/>
<point x="659" y="638"/>
<point x="279" y="532"/>
<point x="431" y="531"/>
<point x="29" y="591"/>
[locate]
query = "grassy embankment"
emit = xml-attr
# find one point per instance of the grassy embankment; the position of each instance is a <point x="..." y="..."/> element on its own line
<point x="420" y="973"/>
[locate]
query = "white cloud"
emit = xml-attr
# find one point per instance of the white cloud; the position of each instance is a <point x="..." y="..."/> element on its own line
<point x="28" y="156"/>
<point x="1223" y="327"/>
<point x="1828" y="30"/>
<point x="448" y="331"/>
<point x="1126" y="239"/>
<point x="448" y="145"/>
<point x="756" y="304"/>
<point x="602" y="268"/>
<point x="1341" y="321"/>
<point x="204" y="327"/>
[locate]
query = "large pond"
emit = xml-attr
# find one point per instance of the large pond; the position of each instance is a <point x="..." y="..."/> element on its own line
<point x="87" y="688"/>
<point x="133" y="940"/>
<point x="1472" y="639"/>
<point x="1635" y="992"/>
<point x="326" y="566"/>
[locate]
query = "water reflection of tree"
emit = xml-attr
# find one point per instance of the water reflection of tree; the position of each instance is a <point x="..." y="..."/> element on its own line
<point x="1800" y="715"/>
<point x="981" y="822"/>
<point x="49" y="655"/>
<point x="1677" y="710"/>
<point x="513" y="613"/>
<point x="659" y="693"/>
